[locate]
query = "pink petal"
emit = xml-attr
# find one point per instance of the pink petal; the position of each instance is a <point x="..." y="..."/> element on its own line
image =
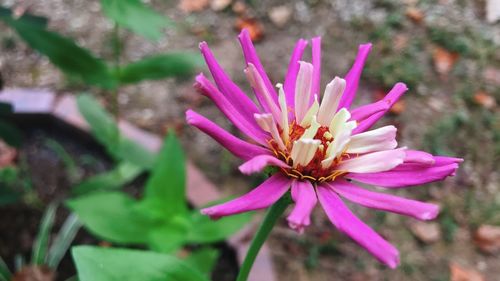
<point x="391" y="98"/>
<point x="406" y="174"/>
<point x="348" y="223"/>
<point x="352" y="77"/>
<point x="304" y="196"/>
<point x="258" y="163"/>
<point x="385" y="202"/>
<point x="232" y="92"/>
<point x="303" y="90"/>
<point x="251" y="129"/>
<point x="316" y="62"/>
<point x="266" y="99"/>
<point x="445" y="160"/>
<point x="291" y="75"/>
<point x="420" y="157"/>
<point x="251" y="57"/>
<point x="236" y="146"/>
<point x="260" y="197"/>
<point x="365" y="111"/>
<point x="374" y="162"/>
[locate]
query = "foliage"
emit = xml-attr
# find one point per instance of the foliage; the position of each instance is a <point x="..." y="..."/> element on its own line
<point x="161" y="218"/>
<point x="101" y="264"/>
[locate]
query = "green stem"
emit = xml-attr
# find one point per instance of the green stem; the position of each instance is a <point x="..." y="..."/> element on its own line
<point x="272" y="215"/>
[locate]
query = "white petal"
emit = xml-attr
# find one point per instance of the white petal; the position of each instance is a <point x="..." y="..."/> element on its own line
<point x="267" y="123"/>
<point x="379" y="161"/>
<point x="313" y="110"/>
<point x="338" y="120"/>
<point x="330" y="101"/>
<point x="284" y="113"/>
<point x="303" y="90"/>
<point x="341" y="139"/>
<point x="303" y="151"/>
<point x="312" y="130"/>
<point x="374" y="140"/>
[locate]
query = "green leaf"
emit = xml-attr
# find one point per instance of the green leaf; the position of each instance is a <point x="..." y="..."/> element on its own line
<point x="116" y="178"/>
<point x="5" y="274"/>
<point x="167" y="238"/>
<point x="63" y="241"/>
<point x="136" y="16"/>
<point x="205" y="230"/>
<point x="104" y="264"/>
<point x="166" y="185"/>
<point x="203" y="259"/>
<point x="10" y="134"/>
<point x="106" y="132"/>
<point x="161" y="66"/>
<point x="111" y="216"/>
<point x="26" y="17"/>
<point x="40" y="246"/>
<point x="64" y="53"/>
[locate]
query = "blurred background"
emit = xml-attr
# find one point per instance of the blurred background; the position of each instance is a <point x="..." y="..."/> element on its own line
<point x="446" y="51"/>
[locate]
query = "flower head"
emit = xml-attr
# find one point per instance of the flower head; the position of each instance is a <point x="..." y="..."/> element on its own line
<point x="318" y="144"/>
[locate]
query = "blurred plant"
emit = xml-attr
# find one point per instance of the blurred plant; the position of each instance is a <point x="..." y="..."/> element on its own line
<point x="81" y="64"/>
<point x="113" y="264"/>
<point x="44" y="259"/>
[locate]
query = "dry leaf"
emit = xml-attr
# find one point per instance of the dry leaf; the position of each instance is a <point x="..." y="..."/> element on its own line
<point x="415" y="14"/>
<point x="190" y="6"/>
<point x="487" y="238"/>
<point x="458" y="273"/>
<point x="485" y="100"/>
<point x="7" y="154"/>
<point x="427" y="232"/>
<point x="34" y="273"/>
<point x="255" y="28"/>
<point x="280" y="15"/>
<point x="219" y="5"/>
<point x="444" y="60"/>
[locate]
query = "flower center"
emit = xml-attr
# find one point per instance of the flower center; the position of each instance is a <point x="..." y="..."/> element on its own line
<point x="314" y="171"/>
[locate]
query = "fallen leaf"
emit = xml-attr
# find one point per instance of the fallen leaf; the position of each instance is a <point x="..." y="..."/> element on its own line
<point x="280" y="15"/>
<point x="415" y="14"/>
<point x="487" y="238"/>
<point x="485" y="100"/>
<point x="427" y="232"/>
<point x="255" y="28"/>
<point x="34" y="273"/>
<point x="444" y="60"/>
<point x="190" y="6"/>
<point x="7" y="154"/>
<point x="219" y="5"/>
<point x="239" y="7"/>
<point x="458" y="273"/>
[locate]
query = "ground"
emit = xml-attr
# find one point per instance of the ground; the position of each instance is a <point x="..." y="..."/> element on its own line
<point x="444" y="50"/>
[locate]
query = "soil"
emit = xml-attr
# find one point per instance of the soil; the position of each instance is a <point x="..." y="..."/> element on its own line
<point x="50" y="179"/>
<point x="440" y="112"/>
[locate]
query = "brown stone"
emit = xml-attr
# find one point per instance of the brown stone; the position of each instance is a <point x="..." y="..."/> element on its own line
<point x="427" y="232"/>
<point x="487" y="238"/>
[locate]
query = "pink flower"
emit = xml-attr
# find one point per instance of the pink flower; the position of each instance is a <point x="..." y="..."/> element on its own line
<point x="319" y="146"/>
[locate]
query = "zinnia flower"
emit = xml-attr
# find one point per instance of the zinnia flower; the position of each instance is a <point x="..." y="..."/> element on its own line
<point x="321" y="148"/>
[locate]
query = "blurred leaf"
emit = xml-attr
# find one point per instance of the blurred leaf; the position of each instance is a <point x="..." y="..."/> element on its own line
<point x="160" y="66"/>
<point x="123" y="173"/>
<point x="65" y="54"/>
<point x="136" y="16"/>
<point x="63" y="241"/>
<point x="167" y="238"/>
<point x="205" y="230"/>
<point x="8" y="196"/>
<point x="10" y="134"/>
<point x="203" y="259"/>
<point x="111" y="216"/>
<point x="5" y="108"/>
<point x="166" y="185"/>
<point x="5" y="274"/>
<point x="73" y="171"/>
<point x="106" y="132"/>
<point x="40" y="246"/>
<point x="26" y="18"/>
<point x="101" y="264"/>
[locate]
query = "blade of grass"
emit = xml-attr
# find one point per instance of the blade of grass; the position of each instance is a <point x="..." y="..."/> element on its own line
<point x="39" y="253"/>
<point x="63" y="241"/>
<point x="5" y="274"/>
